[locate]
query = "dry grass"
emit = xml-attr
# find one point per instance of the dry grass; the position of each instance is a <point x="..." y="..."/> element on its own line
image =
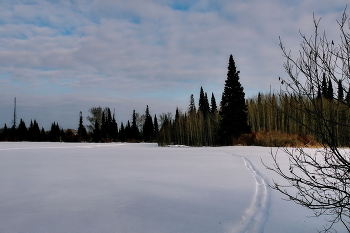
<point x="276" y="139"/>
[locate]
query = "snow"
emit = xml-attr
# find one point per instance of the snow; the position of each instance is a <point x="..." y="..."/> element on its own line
<point x="121" y="187"/>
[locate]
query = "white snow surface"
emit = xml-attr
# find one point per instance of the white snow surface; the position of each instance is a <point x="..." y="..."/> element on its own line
<point x="122" y="187"/>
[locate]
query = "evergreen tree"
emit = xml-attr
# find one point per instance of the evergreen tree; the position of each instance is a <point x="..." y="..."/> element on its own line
<point x="114" y="129"/>
<point x="104" y="126"/>
<point x="55" y="133"/>
<point x="96" y="134"/>
<point x="5" y="133"/>
<point x="43" y="136"/>
<point x="330" y="93"/>
<point x="233" y="112"/>
<point x="108" y="124"/>
<point x="203" y="104"/>
<point x="191" y="123"/>
<point x="347" y="97"/>
<point x="178" y="128"/>
<point x="128" y="132"/>
<point x="108" y="116"/>
<point x="13" y="133"/>
<point x="148" y="129"/>
<point x="214" y="120"/>
<point x="340" y="90"/>
<point x="30" y="131"/>
<point x="192" y="107"/>
<point x="82" y="134"/>
<point x="207" y="106"/>
<point x="135" y="132"/>
<point x="34" y="131"/>
<point x="22" y="131"/>
<point x="324" y="87"/>
<point x="156" y="126"/>
<point x="203" y="124"/>
<point x="213" y="107"/>
<point x="122" y="136"/>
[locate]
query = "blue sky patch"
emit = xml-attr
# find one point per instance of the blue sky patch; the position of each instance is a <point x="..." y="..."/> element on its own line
<point x="182" y="5"/>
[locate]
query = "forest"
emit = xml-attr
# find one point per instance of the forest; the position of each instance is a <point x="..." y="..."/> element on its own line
<point x="271" y="119"/>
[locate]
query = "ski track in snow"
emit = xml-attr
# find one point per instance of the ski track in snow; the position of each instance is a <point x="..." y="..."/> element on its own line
<point x="255" y="216"/>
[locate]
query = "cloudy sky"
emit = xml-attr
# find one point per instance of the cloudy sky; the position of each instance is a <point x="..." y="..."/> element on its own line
<point x="60" y="57"/>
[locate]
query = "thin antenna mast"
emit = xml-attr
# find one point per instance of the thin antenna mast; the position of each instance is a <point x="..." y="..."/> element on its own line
<point x="14" y="116"/>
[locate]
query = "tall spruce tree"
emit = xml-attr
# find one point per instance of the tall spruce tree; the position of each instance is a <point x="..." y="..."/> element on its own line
<point x="148" y="129"/>
<point x="203" y="104"/>
<point x="192" y="106"/>
<point x="156" y="127"/>
<point x="114" y="129"/>
<point x="330" y="92"/>
<point x="324" y="86"/>
<point x="82" y="134"/>
<point x="22" y="131"/>
<point x="213" y="107"/>
<point x="233" y="112"/>
<point x="34" y="131"/>
<point x="347" y="96"/>
<point x="122" y="136"/>
<point x="340" y="90"/>
<point x="135" y="132"/>
<point x="128" y="131"/>
<point x="43" y="135"/>
<point x="55" y="133"/>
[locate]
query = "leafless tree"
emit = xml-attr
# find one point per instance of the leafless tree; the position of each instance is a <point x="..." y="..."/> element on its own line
<point x="319" y="180"/>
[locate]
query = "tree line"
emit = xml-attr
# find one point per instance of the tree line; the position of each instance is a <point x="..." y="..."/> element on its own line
<point x="36" y="134"/>
<point x="209" y="125"/>
<point x="192" y="127"/>
<point x="291" y="113"/>
<point x="103" y="128"/>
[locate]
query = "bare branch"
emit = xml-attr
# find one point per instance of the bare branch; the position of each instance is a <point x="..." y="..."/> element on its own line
<point x="319" y="180"/>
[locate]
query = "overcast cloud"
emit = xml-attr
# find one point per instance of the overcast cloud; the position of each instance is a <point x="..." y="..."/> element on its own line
<point x="60" y="57"/>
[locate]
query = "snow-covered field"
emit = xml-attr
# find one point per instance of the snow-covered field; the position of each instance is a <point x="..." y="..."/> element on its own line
<point x="60" y="187"/>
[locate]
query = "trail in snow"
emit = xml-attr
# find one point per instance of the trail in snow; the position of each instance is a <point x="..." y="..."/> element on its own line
<point x="255" y="216"/>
